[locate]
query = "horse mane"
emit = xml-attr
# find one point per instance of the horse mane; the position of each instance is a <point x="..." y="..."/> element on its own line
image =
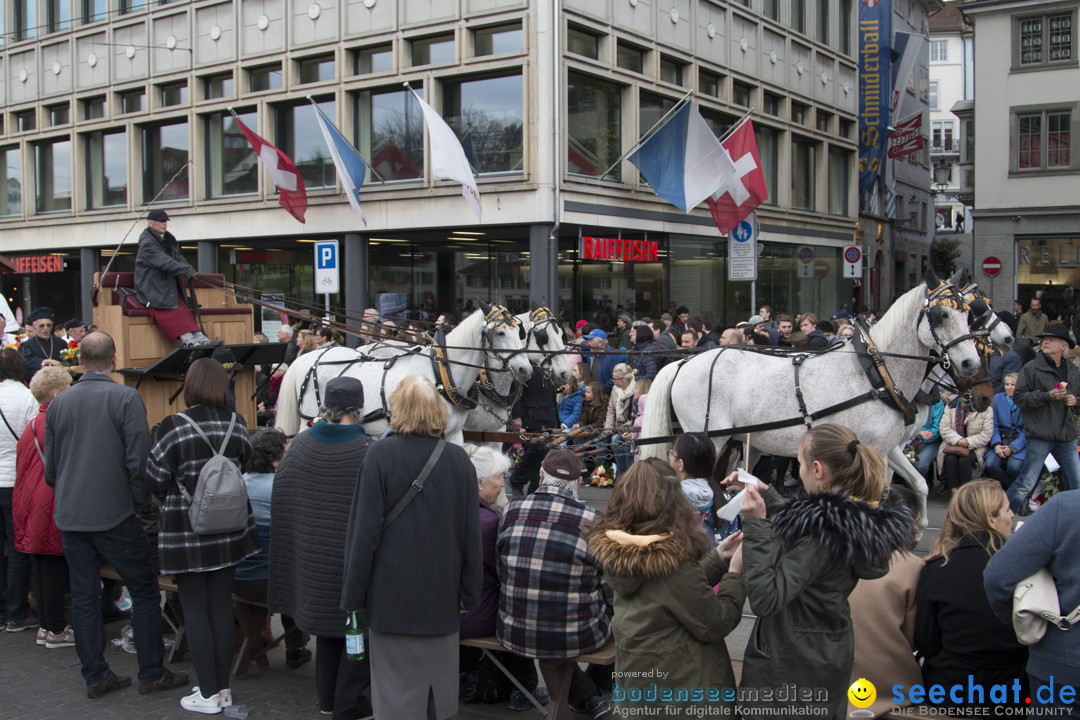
<point x="467" y="332"/>
<point x="902" y="311"/>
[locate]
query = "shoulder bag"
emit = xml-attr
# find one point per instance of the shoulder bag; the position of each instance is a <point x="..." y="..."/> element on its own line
<point x="1035" y="603"/>
<point x="417" y="485"/>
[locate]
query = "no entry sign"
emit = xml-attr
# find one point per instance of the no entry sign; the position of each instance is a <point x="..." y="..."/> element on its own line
<point x="991" y="266"/>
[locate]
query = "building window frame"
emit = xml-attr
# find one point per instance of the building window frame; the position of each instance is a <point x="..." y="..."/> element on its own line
<point x="219" y="137"/>
<point x="402" y="143"/>
<point x="616" y="93"/>
<point x="939" y="51"/>
<point x="45" y="176"/>
<point x="155" y="173"/>
<point x="481" y="152"/>
<point x="486" y="40"/>
<point x="1044" y="38"/>
<point x="1045" y="115"/>
<point x="96" y="156"/>
<point x="317" y="171"/>
<point x="11" y="200"/>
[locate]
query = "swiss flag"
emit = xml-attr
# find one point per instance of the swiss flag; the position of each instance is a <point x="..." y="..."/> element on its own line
<point x="291" y="193"/>
<point x="740" y="193"/>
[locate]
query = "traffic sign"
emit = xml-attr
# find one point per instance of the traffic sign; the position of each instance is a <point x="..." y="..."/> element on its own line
<point x="991" y="266"/>
<point x="853" y="261"/>
<point x="743" y="250"/>
<point x="805" y="267"/>
<point x="821" y="268"/>
<point x="327" y="267"/>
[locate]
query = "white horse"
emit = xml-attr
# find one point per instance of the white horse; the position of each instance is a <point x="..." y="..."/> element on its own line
<point x="546" y="347"/>
<point x="493" y="334"/>
<point x="729" y="388"/>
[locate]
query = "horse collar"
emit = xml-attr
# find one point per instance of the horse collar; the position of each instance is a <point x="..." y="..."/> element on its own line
<point x="440" y="365"/>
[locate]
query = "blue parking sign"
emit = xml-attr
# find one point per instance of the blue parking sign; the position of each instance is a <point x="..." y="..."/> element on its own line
<point x="327" y="280"/>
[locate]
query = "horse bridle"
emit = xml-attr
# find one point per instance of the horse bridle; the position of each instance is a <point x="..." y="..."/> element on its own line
<point x="981" y="312"/>
<point x="539" y="319"/>
<point x="498" y="317"/>
<point x="946" y="295"/>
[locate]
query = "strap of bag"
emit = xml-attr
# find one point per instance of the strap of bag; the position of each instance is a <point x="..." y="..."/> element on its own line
<point x="41" y="454"/>
<point x="417" y="485"/>
<point x="10" y="429"/>
<point x="1064" y="622"/>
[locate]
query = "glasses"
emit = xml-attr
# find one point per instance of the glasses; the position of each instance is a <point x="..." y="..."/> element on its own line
<point x="671" y="454"/>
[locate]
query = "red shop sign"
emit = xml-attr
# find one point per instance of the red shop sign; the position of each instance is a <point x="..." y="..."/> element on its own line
<point x="593" y="248"/>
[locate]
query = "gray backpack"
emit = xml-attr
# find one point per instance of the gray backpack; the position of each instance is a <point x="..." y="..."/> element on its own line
<point x="220" y="502"/>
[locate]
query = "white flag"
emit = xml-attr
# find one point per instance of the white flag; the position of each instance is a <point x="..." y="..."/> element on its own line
<point x="448" y="161"/>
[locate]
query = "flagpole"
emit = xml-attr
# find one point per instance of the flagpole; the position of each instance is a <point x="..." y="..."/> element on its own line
<point x="369" y="165"/>
<point x="647" y="135"/>
<point x="737" y="125"/>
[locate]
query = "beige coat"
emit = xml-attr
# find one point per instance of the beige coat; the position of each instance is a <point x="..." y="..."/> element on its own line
<point x="980" y="428"/>
<point x="883" y="615"/>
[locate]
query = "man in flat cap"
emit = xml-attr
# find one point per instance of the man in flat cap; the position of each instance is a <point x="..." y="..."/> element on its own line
<point x="42" y="347"/>
<point x="158" y="269"/>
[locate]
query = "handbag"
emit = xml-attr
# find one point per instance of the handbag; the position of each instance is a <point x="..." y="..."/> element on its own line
<point x="1035" y="603"/>
<point x="957" y="450"/>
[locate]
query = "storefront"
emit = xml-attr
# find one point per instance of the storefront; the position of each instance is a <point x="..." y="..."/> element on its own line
<point x="1049" y="266"/>
<point x="49" y="279"/>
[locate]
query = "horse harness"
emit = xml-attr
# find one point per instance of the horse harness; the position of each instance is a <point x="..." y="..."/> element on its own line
<point x="312" y="377"/>
<point x="495" y="318"/>
<point x="539" y="320"/>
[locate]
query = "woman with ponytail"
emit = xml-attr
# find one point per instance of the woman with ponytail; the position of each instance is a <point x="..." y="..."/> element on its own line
<point x="803" y="558"/>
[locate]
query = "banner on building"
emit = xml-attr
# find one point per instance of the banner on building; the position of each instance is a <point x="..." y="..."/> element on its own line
<point x="875" y="75"/>
<point x="907" y="137"/>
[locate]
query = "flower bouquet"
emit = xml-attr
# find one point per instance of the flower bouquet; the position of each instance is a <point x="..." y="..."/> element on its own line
<point x="514" y="453"/>
<point x="601" y="477"/>
<point x="69" y="356"/>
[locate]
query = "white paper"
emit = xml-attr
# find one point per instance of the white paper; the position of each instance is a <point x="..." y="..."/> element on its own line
<point x="733" y="506"/>
<point x="1051" y="463"/>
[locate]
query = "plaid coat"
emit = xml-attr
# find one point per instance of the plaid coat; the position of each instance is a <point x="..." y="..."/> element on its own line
<point x="177" y="456"/>
<point x="553" y="602"/>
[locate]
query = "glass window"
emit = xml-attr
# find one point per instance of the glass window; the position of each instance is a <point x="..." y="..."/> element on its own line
<point x="174" y="94"/>
<point x="59" y="15"/>
<point x="846" y="128"/>
<point x="1059" y="142"/>
<point x="316" y="69"/>
<point x="389" y="128"/>
<point x="267" y="77"/>
<point x="823" y="21"/>
<point x="434" y="49"/>
<point x="11" y="197"/>
<point x="165" y="151"/>
<point x="941" y="138"/>
<point x="25" y="121"/>
<point x="1031" y="41"/>
<point x="375" y="59"/>
<point x="498" y="39"/>
<point x="773" y="104"/>
<point x="671" y="71"/>
<point x="106" y="169"/>
<point x="59" y="114"/>
<point x="803" y="178"/>
<point x="488" y="115"/>
<point x="798" y="113"/>
<point x="718" y="122"/>
<point x="798" y="15"/>
<point x="132" y="101"/>
<point x="298" y="136"/>
<point x="768" y="142"/>
<point x="934" y="95"/>
<point x="939" y="51"/>
<point x="771" y="9"/>
<point x="218" y="86"/>
<point x="93" y="10"/>
<point x="232" y="168"/>
<point x="845" y="26"/>
<point x="1059" y="28"/>
<point x="823" y="119"/>
<point x="630" y="58"/>
<point x="709" y="83"/>
<point x="594" y="126"/>
<point x="25" y="19"/>
<point x="93" y="108"/>
<point x="52" y="176"/>
<point x="740" y="94"/>
<point x="129" y="6"/>
<point x="839" y="181"/>
<point x="582" y="42"/>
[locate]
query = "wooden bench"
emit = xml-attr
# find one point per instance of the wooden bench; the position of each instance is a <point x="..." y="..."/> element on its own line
<point x="490" y="644"/>
<point x="172" y="604"/>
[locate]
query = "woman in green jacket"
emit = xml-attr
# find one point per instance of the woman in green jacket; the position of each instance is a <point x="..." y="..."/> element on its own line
<point x="802" y="560"/>
<point x="669" y="624"/>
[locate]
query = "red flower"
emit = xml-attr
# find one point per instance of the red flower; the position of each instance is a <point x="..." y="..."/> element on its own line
<point x="72" y="344"/>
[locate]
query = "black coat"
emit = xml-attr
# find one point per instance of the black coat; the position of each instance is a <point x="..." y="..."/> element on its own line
<point x="158" y="264"/>
<point x="537" y="407"/>
<point x="1046" y="419"/>
<point x="956" y="631"/>
<point x="647" y="364"/>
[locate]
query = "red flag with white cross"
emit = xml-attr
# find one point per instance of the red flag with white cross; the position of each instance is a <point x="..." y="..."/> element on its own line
<point x="291" y="193"/>
<point x="743" y="191"/>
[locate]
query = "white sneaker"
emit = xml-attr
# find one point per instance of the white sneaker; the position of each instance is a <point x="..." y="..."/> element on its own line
<point x="195" y="702"/>
<point x="226" y="697"/>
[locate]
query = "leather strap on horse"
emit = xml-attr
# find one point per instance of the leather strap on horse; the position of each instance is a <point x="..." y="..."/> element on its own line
<point x="876" y="371"/>
<point x="797" y="361"/>
<point x="441" y="367"/>
<point x="489" y="391"/>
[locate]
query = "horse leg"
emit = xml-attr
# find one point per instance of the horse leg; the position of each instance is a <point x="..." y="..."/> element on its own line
<point x="898" y="463"/>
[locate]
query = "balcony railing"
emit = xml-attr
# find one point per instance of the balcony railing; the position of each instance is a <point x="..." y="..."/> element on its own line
<point x="945" y="147"/>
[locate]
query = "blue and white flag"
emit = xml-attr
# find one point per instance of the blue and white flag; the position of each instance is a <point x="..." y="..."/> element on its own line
<point x="683" y="160"/>
<point x="351" y="168"/>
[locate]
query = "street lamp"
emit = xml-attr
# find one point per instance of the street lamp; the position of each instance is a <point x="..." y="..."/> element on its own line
<point x="942" y="176"/>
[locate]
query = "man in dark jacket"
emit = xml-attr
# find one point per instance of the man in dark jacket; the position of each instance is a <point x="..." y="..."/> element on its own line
<point x="808" y="324"/>
<point x="1046" y="393"/>
<point x="96" y="506"/>
<point x="158" y="269"/>
<point x="535" y="411"/>
<point x="1002" y="365"/>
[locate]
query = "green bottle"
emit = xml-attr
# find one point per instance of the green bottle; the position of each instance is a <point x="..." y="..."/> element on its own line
<point x="354" y="638"/>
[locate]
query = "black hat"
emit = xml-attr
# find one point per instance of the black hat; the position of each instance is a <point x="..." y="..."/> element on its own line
<point x="158" y="216"/>
<point x="1058" y="331"/>
<point x="563" y="464"/>
<point x="225" y="356"/>
<point x="344" y="393"/>
<point x="74" y="323"/>
<point x="41" y="313"/>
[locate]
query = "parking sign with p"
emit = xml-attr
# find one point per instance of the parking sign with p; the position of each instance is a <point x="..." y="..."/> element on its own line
<point x="327" y="275"/>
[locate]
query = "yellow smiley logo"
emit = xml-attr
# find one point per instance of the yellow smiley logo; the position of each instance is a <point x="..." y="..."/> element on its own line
<point x="862" y="693"/>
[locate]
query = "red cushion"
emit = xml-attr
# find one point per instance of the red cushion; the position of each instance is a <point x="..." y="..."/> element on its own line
<point x="118" y="280"/>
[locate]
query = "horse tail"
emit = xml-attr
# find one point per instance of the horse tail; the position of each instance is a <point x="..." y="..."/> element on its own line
<point x="657" y="420"/>
<point x="288" y="405"/>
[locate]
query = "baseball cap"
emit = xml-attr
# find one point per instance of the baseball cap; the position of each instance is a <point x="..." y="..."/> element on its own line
<point x="756" y="320"/>
<point x="563" y="464"/>
<point x="597" y="333"/>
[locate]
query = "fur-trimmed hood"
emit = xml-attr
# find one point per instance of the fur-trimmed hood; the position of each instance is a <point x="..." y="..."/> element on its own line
<point x="863" y="536"/>
<point x="630" y="560"/>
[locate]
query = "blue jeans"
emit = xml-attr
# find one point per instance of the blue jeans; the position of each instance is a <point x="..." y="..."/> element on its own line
<point x="622" y="453"/>
<point x="1037" y="450"/>
<point x="127" y="549"/>
<point x="925" y="457"/>
<point x="1004" y="471"/>
<point x="18" y="564"/>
